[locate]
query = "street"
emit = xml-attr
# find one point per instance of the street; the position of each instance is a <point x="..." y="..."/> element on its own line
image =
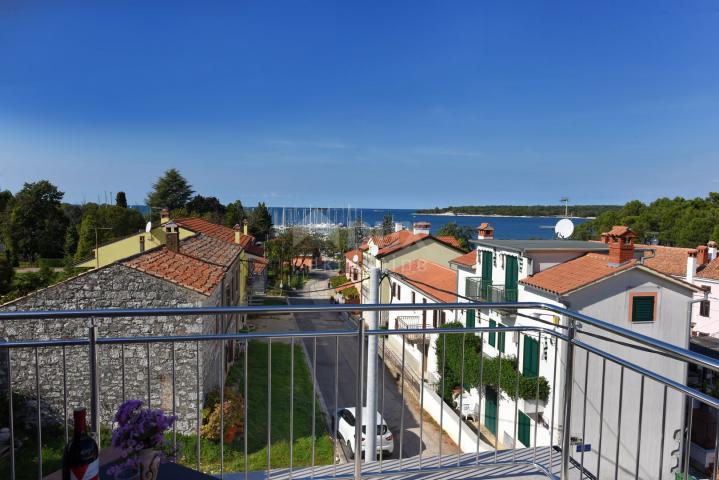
<point x="345" y="359"/>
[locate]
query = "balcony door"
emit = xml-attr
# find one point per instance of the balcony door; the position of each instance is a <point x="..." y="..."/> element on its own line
<point x="486" y="285"/>
<point x="511" y="277"/>
<point x="490" y="411"/>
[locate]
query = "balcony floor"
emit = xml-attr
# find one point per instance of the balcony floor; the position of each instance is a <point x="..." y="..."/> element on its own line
<point x="391" y="469"/>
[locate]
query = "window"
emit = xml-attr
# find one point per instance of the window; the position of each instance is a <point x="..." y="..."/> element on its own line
<point x="399" y="291"/>
<point x="434" y="318"/>
<point x="530" y="357"/>
<point x="394" y="289"/>
<point x="413" y="298"/>
<point x="500" y="343"/>
<point x="492" y="335"/>
<point x="643" y="307"/>
<point x="470" y="318"/>
<point x="704" y="308"/>
<point x="524" y="427"/>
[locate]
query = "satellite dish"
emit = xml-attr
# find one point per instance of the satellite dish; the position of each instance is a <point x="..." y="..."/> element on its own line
<point x="148" y="227"/>
<point x="373" y="250"/>
<point x="355" y="258"/>
<point x="564" y="228"/>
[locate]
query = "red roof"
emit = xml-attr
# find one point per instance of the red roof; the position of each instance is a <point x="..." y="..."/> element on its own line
<point x="398" y="240"/>
<point x="449" y="240"/>
<point x="430" y="278"/>
<point x="574" y="274"/>
<point x="668" y="260"/>
<point x="210" y="249"/>
<point x="350" y="255"/>
<point x="468" y="259"/>
<point x="711" y="270"/>
<point x="259" y="265"/>
<point x="179" y="269"/>
<point x="200" y="225"/>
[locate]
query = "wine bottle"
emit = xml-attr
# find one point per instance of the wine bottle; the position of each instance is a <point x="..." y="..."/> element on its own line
<point x="80" y="459"/>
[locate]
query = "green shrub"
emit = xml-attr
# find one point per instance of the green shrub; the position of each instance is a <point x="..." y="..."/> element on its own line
<point x="338" y="281"/>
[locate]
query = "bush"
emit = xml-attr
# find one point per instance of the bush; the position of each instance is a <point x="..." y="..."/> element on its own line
<point x="233" y="416"/>
<point x="509" y="373"/>
<point x="351" y="295"/>
<point x="338" y="281"/>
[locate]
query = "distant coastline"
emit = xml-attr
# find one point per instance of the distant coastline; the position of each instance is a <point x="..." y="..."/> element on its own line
<point x="452" y="214"/>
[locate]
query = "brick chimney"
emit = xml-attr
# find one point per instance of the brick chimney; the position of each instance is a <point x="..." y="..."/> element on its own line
<point x="621" y="244"/>
<point x="238" y="233"/>
<point x="172" y="236"/>
<point x="142" y="242"/>
<point x="421" y="227"/>
<point x="702" y="255"/>
<point x="245" y="226"/>
<point x="485" y="231"/>
<point x="712" y="250"/>
<point x="164" y="216"/>
<point x="691" y="265"/>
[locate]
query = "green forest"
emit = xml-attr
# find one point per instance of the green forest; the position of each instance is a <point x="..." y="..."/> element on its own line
<point x="675" y="222"/>
<point x="524" y="210"/>
<point x="38" y="229"/>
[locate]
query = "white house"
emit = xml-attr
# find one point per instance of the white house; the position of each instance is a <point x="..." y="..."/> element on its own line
<point x="420" y="281"/>
<point x="604" y="280"/>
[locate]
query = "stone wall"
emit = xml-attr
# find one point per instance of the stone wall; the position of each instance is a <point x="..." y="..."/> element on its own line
<point x="116" y="286"/>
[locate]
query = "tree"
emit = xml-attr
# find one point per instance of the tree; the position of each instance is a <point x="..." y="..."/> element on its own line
<point x="235" y="214"/>
<point x="36" y="224"/>
<point x="463" y="233"/>
<point x="171" y="190"/>
<point x="112" y="222"/>
<point x="260" y="222"/>
<point x="387" y="224"/>
<point x="200" y="205"/>
<point x="121" y="200"/>
<point x="6" y="274"/>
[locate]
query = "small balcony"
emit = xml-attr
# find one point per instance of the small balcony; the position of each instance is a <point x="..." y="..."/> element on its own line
<point x="485" y="291"/>
<point x="412" y="323"/>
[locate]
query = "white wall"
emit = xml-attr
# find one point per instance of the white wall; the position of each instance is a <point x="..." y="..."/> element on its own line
<point x="707" y="325"/>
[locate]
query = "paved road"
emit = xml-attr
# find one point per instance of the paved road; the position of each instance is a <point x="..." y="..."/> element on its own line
<point x="347" y="361"/>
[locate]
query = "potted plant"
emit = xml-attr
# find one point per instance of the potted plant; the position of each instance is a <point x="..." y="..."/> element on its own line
<point x="140" y="435"/>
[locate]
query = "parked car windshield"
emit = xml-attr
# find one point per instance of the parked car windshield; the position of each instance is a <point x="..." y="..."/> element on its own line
<point x="381" y="429"/>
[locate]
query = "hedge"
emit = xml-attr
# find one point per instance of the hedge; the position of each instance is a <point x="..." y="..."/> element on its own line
<point x="490" y="368"/>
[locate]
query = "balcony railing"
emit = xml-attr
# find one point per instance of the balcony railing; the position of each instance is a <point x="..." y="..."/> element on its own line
<point x="412" y="323"/>
<point x="579" y="423"/>
<point x="485" y="291"/>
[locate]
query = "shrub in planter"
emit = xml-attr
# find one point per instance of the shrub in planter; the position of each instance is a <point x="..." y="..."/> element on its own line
<point x="233" y="416"/>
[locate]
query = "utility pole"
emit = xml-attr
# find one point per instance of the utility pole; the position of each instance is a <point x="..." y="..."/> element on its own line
<point x="372" y="324"/>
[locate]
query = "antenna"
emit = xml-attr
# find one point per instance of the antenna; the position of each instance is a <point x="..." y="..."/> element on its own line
<point x="565" y="201"/>
<point x="564" y="228"/>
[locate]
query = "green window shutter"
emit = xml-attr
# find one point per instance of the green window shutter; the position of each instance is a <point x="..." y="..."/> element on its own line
<point x="524" y="427"/>
<point x="470" y="318"/>
<point x="530" y="364"/>
<point x="490" y="410"/>
<point x="643" y="308"/>
<point x="501" y="340"/>
<point x="492" y="335"/>
<point x="511" y="277"/>
<point x="487" y="267"/>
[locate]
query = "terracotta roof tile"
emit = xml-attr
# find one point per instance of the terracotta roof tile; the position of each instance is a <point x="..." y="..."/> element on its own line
<point x="668" y="260"/>
<point x="449" y="240"/>
<point x="179" y="269"/>
<point x="430" y="273"/>
<point x="468" y="259"/>
<point x="350" y="255"/>
<point x="710" y="270"/>
<point x="210" y="249"/>
<point x="574" y="274"/>
<point x="259" y="265"/>
<point x="200" y="225"/>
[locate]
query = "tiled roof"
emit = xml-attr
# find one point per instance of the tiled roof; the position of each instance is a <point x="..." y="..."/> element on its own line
<point x="710" y="270"/>
<point x="210" y="249"/>
<point x="201" y="225"/>
<point x="468" y="259"/>
<point x="668" y="260"/>
<point x="574" y="274"/>
<point x="620" y="230"/>
<point x="398" y="240"/>
<point x="179" y="269"/>
<point x="449" y="240"/>
<point x="259" y="265"/>
<point x="350" y="255"/>
<point x="485" y="226"/>
<point x="430" y="273"/>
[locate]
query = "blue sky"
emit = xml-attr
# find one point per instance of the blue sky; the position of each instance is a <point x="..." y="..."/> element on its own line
<point x="376" y="104"/>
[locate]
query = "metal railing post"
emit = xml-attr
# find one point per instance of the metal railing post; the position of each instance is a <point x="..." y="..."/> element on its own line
<point x="567" y="400"/>
<point x="358" y="403"/>
<point x="94" y="385"/>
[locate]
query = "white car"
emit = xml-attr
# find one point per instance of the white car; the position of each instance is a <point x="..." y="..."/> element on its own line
<point x="346" y="431"/>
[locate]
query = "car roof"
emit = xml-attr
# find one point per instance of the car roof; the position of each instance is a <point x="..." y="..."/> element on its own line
<point x="365" y="412"/>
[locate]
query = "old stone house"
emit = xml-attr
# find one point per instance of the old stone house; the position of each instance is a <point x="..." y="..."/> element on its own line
<point x="195" y="272"/>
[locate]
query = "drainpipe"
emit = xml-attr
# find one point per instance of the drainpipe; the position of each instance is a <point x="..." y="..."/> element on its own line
<point x="653" y="254"/>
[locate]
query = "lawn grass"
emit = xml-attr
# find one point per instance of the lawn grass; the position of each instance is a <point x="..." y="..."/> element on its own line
<point x="257" y="413"/>
<point x="234" y="460"/>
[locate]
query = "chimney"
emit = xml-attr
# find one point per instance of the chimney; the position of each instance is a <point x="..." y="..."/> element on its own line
<point x="702" y="255"/>
<point x="238" y="233"/>
<point x="164" y="216"/>
<point x="172" y="237"/>
<point x="142" y="242"/>
<point x="421" y="227"/>
<point x="485" y="232"/>
<point x="621" y="244"/>
<point x="398" y="227"/>
<point x="691" y="265"/>
<point x="245" y="226"/>
<point x="712" y="247"/>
